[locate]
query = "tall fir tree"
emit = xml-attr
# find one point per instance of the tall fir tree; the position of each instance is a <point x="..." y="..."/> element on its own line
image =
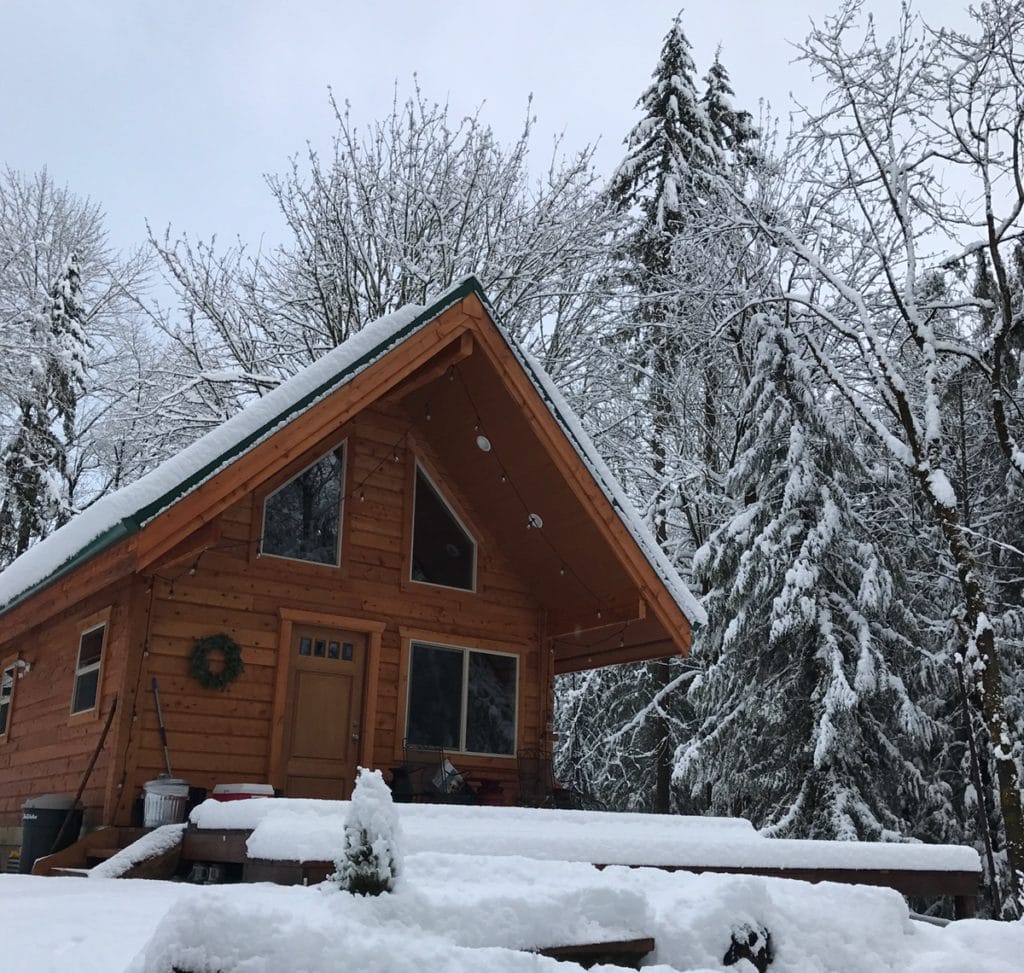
<point x="677" y="153"/>
<point x="40" y="483"/>
<point x="809" y="720"/>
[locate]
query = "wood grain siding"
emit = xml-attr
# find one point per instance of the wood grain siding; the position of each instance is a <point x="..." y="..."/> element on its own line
<point x="219" y="736"/>
<point x="46" y="748"/>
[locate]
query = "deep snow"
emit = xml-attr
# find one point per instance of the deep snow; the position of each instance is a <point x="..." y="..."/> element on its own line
<point x="462" y="913"/>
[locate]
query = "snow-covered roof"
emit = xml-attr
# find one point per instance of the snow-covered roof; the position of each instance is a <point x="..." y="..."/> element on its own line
<point x="129" y="509"/>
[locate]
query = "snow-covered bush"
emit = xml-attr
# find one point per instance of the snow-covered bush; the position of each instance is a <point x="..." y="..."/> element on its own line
<point x="370" y="860"/>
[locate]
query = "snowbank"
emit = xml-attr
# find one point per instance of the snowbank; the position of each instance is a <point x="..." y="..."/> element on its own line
<point x="462" y="913"/>
<point x="295" y="830"/>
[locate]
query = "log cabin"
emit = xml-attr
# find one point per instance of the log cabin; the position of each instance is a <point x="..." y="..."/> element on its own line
<point x="405" y="542"/>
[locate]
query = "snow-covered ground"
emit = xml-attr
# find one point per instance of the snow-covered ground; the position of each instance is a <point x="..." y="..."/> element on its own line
<point x="462" y="913"/>
<point x="480" y="886"/>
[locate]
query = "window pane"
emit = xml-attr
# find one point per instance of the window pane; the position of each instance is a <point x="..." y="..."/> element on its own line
<point x="302" y="519"/>
<point x="435" y="696"/>
<point x="90" y="647"/>
<point x="442" y="552"/>
<point x="85" y="691"/>
<point x="6" y="689"/>
<point x="491" y="716"/>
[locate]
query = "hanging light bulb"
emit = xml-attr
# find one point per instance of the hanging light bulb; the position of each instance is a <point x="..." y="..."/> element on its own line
<point x="483" y="443"/>
<point x="535" y="521"/>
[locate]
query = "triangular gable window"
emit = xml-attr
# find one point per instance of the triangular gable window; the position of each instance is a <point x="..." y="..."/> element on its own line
<point x="443" y="552"/>
<point x="302" y="519"/>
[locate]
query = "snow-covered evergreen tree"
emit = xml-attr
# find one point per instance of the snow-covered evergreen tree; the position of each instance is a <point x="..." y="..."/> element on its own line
<point x="807" y="722"/>
<point x="620" y="726"/>
<point x="370" y="860"/>
<point x="67" y="324"/>
<point x="732" y="130"/>
<point x="35" y="463"/>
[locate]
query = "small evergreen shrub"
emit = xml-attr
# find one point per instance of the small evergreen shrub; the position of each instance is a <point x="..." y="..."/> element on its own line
<point x="370" y="860"/>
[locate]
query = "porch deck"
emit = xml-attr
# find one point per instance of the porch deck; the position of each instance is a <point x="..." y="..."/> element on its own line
<point x="293" y="842"/>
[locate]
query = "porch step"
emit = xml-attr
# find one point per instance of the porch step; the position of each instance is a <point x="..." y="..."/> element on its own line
<point x="627" y="953"/>
<point x="93" y="847"/>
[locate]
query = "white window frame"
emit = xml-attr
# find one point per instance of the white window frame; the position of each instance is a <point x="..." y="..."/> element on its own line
<point x="343" y="446"/>
<point x="96" y="667"/>
<point x="464" y="702"/>
<point x="442" y="496"/>
<point x="12" y="669"/>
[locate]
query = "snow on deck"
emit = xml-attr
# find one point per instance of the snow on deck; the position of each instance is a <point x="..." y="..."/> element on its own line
<point x="306" y="830"/>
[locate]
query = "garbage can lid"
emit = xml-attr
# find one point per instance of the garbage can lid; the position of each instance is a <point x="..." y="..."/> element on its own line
<point x="50" y="802"/>
<point x="169" y="786"/>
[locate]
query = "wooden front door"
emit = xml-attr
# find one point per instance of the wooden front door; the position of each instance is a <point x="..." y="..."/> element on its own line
<point x="325" y="705"/>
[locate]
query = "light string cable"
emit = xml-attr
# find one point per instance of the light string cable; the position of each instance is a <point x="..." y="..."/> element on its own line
<point x="565" y="567"/>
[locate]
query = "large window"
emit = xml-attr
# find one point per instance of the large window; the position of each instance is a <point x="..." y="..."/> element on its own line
<point x="87" y="671"/>
<point x="462" y="699"/>
<point x="6" y="697"/>
<point x="443" y="553"/>
<point x="302" y="519"/>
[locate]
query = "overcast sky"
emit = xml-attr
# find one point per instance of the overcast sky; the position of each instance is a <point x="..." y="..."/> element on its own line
<point x="173" y="112"/>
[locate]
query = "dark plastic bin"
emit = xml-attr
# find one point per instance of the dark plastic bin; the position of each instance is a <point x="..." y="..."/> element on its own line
<point x="41" y="821"/>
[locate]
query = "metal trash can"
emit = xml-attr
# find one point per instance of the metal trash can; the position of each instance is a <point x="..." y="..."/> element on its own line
<point x="166" y="801"/>
<point x="41" y="820"/>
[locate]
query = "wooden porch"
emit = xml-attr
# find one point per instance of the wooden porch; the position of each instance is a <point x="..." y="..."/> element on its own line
<point x="221" y="855"/>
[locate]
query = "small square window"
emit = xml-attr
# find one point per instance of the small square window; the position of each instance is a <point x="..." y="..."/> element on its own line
<point x="305" y="646"/>
<point x="333" y="650"/>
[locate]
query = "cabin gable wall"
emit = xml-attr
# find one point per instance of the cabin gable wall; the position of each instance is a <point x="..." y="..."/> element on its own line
<point x="219" y="736"/>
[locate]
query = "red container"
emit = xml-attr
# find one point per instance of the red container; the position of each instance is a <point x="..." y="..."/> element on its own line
<point x="241" y="792"/>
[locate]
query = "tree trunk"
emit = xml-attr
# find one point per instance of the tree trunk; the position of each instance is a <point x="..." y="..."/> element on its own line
<point x="983" y="666"/>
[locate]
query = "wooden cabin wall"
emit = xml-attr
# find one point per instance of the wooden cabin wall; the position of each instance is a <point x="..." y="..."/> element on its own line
<point x="47" y="749"/>
<point x="223" y="736"/>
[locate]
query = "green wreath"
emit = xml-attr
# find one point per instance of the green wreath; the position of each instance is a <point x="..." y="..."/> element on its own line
<point x="229" y="649"/>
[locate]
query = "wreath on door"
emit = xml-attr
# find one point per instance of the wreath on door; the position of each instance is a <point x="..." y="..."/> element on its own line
<point x="230" y="651"/>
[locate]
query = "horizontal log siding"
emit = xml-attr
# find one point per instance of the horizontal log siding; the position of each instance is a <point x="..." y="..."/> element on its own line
<point x="220" y="736"/>
<point x="47" y="749"/>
